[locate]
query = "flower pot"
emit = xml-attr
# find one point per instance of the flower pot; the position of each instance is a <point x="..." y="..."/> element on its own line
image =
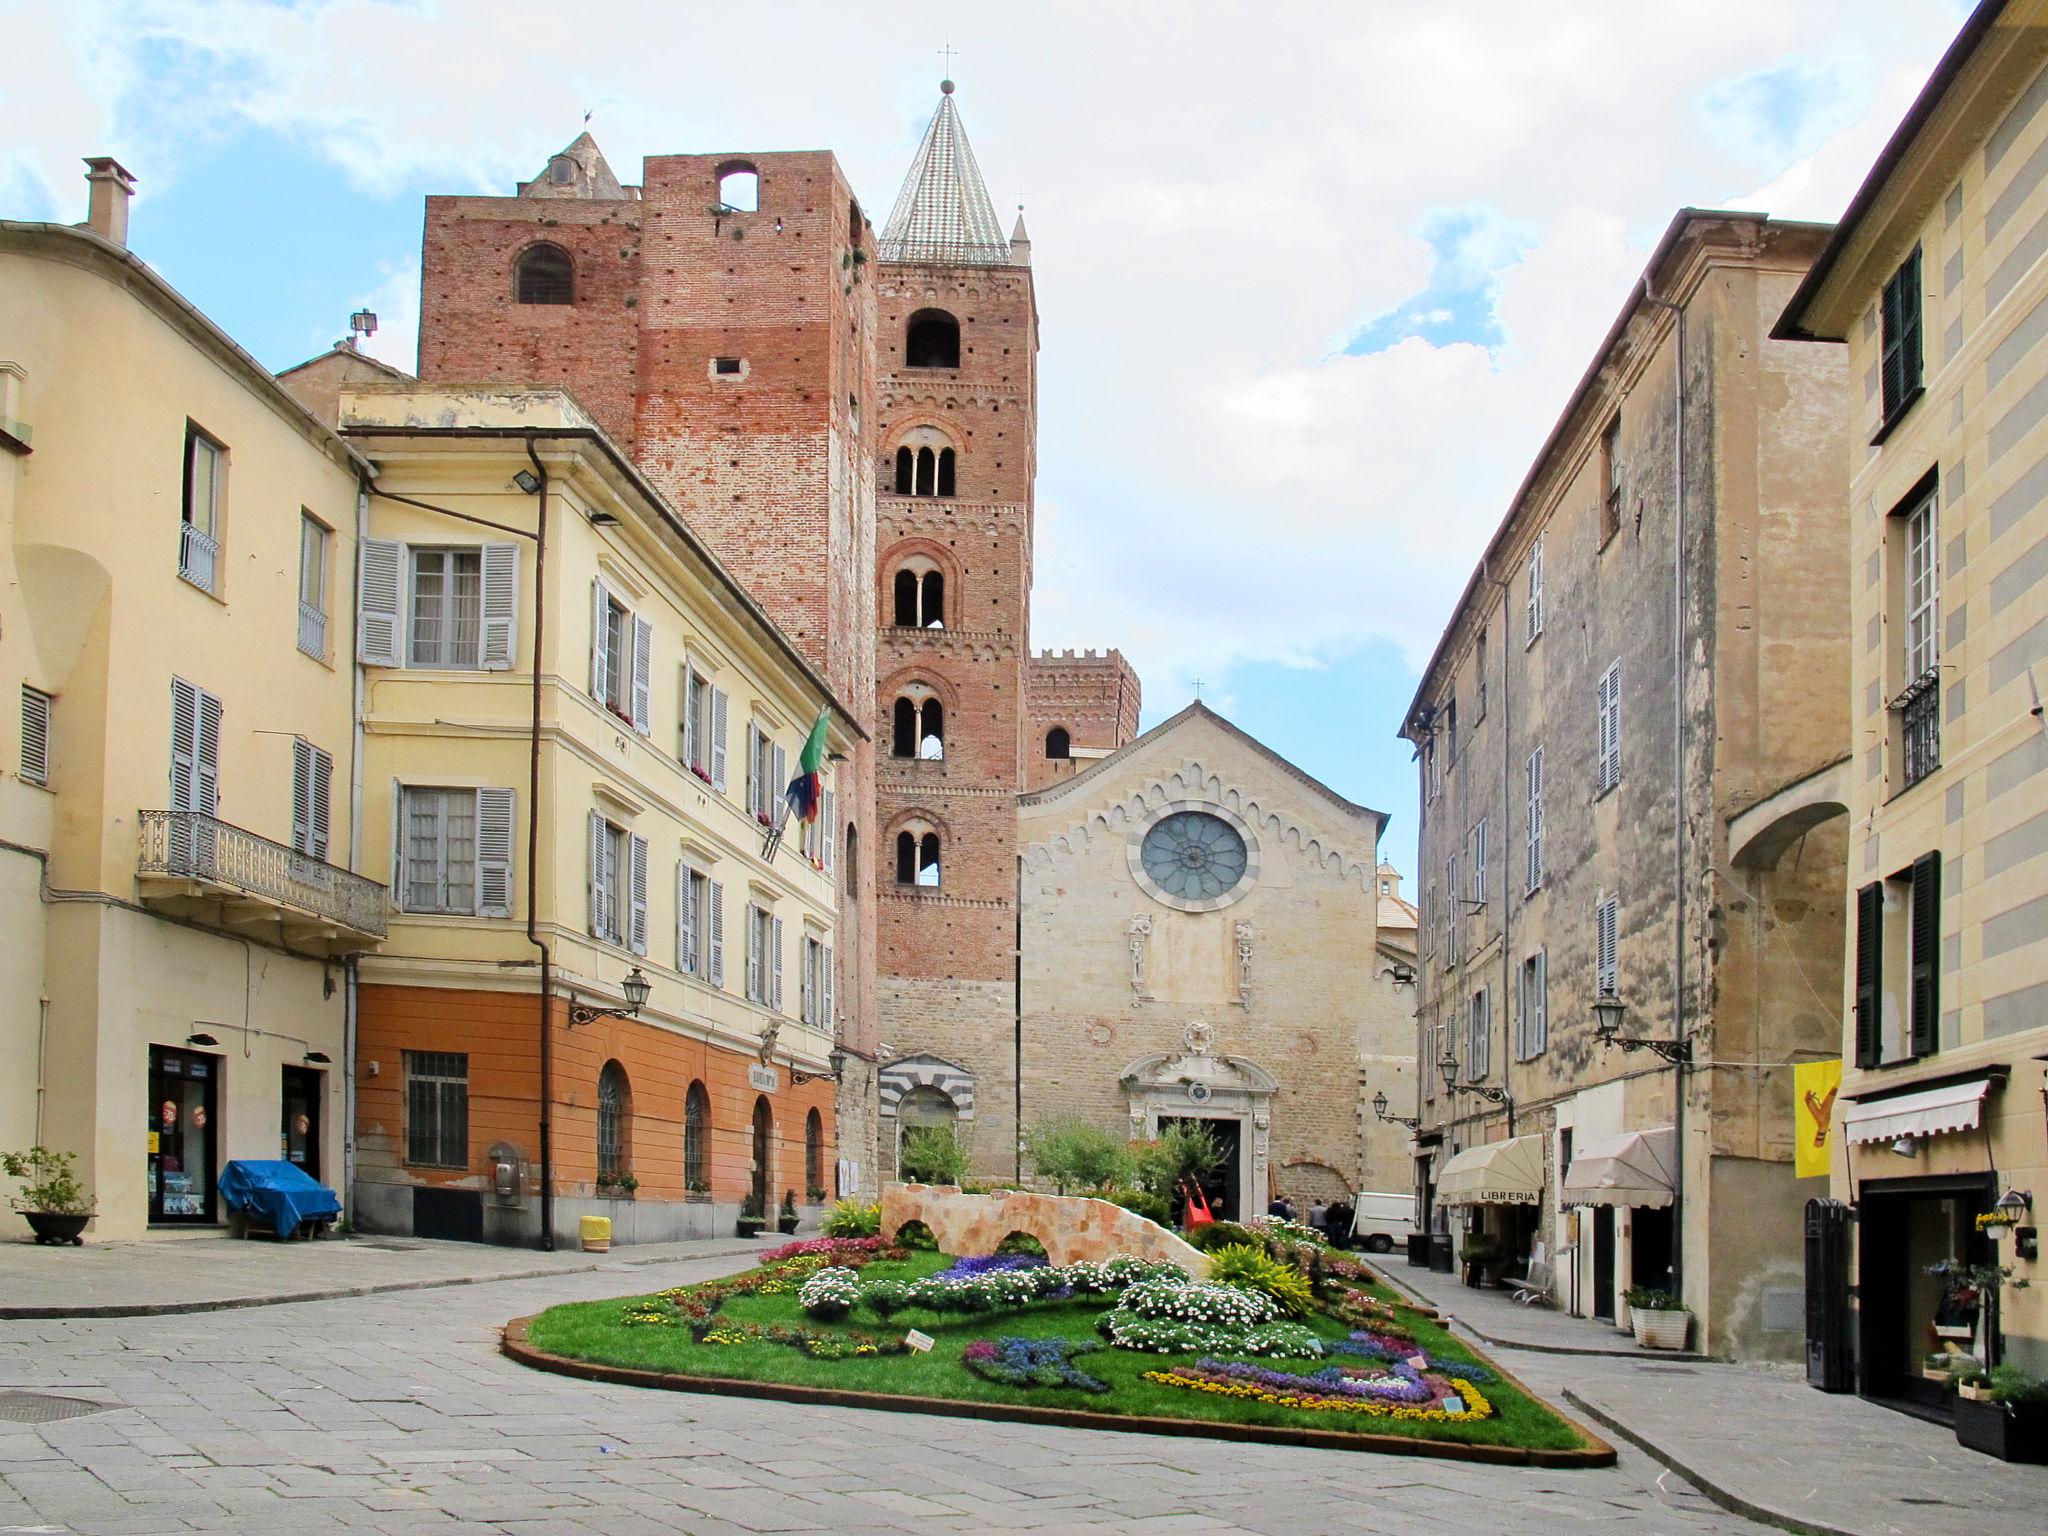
<point x="785" y="1224"/>
<point x="58" y="1227"/>
<point x="1660" y="1330"/>
<point x="1973" y="1391"/>
<point x="2009" y="1431"/>
<point x="748" y="1226"/>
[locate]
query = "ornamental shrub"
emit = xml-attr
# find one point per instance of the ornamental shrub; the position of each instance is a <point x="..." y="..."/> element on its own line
<point x="2010" y="1384"/>
<point x="1142" y="1202"/>
<point x="1076" y="1155"/>
<point x="1253" y="1269"/>
<point x="1164" y="1336"/>
<point x="1211" y="1235"/>
<point x="933" y="1154"/>
<point x="854" y="1218"/>
<point x="1182" y="1154"/>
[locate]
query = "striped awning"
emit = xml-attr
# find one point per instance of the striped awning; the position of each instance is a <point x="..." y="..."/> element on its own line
<point x="1930" y="1112"/>
<point x="1499" y="1173"/>
<point x="1633" y="1168"/>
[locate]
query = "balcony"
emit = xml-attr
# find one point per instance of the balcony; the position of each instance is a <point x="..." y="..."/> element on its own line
<point x="313" y="631"/>
<point x="197" y="556"/>
<point x="1919" y="712"/>
<point x="195" y="867"/>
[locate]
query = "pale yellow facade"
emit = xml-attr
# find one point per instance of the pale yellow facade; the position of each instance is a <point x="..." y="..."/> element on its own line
<point x="129" y="930"/>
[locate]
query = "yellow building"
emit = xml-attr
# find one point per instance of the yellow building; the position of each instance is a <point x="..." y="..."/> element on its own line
<point x="545" y="839"/>
<point x="1935" y="283"/>
<point x="176" y="538"/>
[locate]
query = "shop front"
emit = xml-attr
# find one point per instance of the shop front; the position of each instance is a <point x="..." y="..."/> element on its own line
<point x="1497" y="1190"/>
<point x="1615" y="1186"/>
<point x="183" y="1135"/>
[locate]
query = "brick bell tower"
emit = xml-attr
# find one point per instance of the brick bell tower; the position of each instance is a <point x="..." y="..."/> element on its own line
<point x="956" y="447"/>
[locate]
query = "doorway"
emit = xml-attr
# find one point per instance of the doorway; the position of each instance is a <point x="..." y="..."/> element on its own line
<point x="1649" y="1247"/>
<point x="1603" y="1263"/>
<point x="299" y="1134"/>
<point x="1904" y="1313"/>
<point x="764" y="1123"/>
<point x="184" y="1127"/>
<point x="1222" y="1188"/>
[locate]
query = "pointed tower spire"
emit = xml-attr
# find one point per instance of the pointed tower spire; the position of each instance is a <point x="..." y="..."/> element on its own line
<point x="943" y="214"/>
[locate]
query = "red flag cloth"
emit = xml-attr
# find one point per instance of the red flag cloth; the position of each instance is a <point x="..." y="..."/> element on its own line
<point x="1198" y="1213"/>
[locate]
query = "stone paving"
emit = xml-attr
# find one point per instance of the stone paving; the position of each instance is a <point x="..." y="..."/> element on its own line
<point x="396" y="1413"/>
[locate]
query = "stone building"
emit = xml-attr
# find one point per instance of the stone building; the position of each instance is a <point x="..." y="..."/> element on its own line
<point x="1934" y="286"/>
<point x="1197" y="942"/>
<point x="1620" y="739"/>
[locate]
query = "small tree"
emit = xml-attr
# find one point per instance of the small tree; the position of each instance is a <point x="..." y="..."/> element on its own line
<point x="933" y="1154"/>
<point x="1076" y="1155"/>
<point x="1183" y="1154"/>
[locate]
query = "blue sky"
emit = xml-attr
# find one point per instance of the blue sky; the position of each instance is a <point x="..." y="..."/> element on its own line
<point x="1311" y="290"/>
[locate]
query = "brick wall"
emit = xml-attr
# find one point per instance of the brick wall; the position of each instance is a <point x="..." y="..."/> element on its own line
<point x="1092" y="696"/>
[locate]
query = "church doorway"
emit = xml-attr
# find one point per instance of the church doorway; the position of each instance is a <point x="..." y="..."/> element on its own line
<point x="1222" y="1188"/>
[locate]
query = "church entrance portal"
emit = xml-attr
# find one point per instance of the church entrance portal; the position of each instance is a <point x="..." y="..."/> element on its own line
<point x="1222" y="1188"/>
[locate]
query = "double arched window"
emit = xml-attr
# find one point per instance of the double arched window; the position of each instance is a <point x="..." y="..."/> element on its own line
<point x="920" y="597"/>
<point x="917" y="858"/>
<point x="1059" y="746"/>
<point x="924" y="471"/>
<point x="919" y="730"/>
<point x="614" y="1116"/>
<point x="543" y="274"/>
<point x="931" y="339"/>
<point x="696" y="1139"/>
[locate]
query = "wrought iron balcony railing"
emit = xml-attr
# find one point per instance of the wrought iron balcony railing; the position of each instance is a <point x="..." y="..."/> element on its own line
<point x="313" y="631"/>
<point x="197" y="552"/>
<point x="189" y="857"/>
<point x="1919" y="712"/>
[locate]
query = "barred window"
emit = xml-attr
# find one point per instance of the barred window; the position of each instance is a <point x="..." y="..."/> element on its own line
<point x="437" y="1108"/>
<point x="696" y="1136"/>
<point x="614" y="1108"/>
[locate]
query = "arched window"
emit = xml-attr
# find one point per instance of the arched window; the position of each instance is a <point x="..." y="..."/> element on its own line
<point x="931" y="731"/>
<point x="906" y="858"/>
<point x="1058" y="745"/>
<point x="906" y="471"/>
<point x="853" y="222"/>
<point x="562" y="171"/>
<point x="927" y="469"/>
<point x="945" y="472"/>
<point x="852" y="859"/>
<point x="931" y="603"/>
<point x="814" y="1156"/>
<point x="739" y="186"/>
<point x="696" y="1139"/>
<point x="931" y="340"/>
<point x="906" y="596"/>
<point x="903" y="735"/>
<point x="927" y="472"/>
<point x="764" y="1131"/>
<point x="543" y="274"/>
<point x="928" y="859"/>
<point x="614" y="1111"/>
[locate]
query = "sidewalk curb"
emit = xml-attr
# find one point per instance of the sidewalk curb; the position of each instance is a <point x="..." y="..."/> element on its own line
<point x="342" y="1293"/>
<point x="1455" y="1320"/>
<point x="1734" y="1503"/>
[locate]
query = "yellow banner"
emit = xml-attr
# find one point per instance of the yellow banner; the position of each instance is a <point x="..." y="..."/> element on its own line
<point x="1813" y="1115"/>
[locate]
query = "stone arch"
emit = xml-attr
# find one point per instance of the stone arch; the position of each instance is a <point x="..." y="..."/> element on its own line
<point x="1071" y="1228"/>
<point x="925" y="1071"/>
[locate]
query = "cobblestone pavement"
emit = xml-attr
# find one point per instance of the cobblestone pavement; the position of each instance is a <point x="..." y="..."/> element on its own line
<point x="396" y="1413"/>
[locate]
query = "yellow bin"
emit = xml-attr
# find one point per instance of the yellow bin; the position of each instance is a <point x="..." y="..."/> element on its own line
<point x="596" y="1232"/>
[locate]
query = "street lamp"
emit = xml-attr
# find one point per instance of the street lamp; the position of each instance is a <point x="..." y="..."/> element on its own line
<point x="835" y="1069"/>
<point x="1608" y="1009"/>
<point x="1379" y="1108"/>
<point x="1448" y="1069"/>
<point x="636" y="986"/>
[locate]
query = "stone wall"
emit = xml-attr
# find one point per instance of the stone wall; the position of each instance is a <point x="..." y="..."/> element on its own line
<point x="1073" y="1228"/>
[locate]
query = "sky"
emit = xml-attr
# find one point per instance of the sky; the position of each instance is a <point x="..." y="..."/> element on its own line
<point x="1314" y="280"/>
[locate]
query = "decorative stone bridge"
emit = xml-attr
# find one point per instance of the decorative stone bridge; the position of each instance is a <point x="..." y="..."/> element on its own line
<point x="1073" y="1228"/>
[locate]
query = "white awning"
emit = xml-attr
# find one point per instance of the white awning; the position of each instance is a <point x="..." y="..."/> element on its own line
<point x="1633" y="1168"/>
<point x="1930" y="1112"/>
<point x="1499" y="1173"/>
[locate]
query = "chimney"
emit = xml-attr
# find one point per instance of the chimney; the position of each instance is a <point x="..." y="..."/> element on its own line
<point x="106" y="211"/>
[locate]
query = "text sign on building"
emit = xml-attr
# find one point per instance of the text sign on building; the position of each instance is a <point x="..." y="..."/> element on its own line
<point x="764" y="1078"/>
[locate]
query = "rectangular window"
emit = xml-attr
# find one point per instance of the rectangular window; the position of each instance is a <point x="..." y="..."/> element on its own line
<point x="766" y="770"/>
<point x="312" y="786"/>
<point x="35" y="736"/>
<point x="1535" y="589"/>
<point x="1610" y="728"/>
<point x="440" y="850"/>
<point x="1432" y="780"/>
<point x="1918" y="705"/>
<point x="692" y="927"/>
<point x="618" y="885"/>
<point x="1479" y="862"/>
<point x="1451" y="734"/>
<point x="205" y="489"/>
<point x="764" y="958"/>
<point x="1607" y="950"/>
<point x="812" y="981"/>
<point x="1479" y="677"/>
<point x="1532" y="1026"/>
<point x="1610" y="480"/>
<point x="1479" y="1035"/>
<point x="445" y="607"/>
<point x="437" y="1109"/>
<point x="1924" y="978"/>
<point x="621" y="659"/>
<point x="314" y="539"/>
<point x="1533" y="815"/>
<point x="1901" y="366"/>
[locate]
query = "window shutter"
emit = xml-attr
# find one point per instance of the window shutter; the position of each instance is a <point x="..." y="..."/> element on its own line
<point x="184" y="749"/>
<point x="753" y="769"/>
<point x="717" y="763"/>
<point x="1536" y="589"/>
<point x="643" y="675"/>
<point x="1609" y="947"/>
<point x="826" y="1020"/>
<point x="35" y="736"/>
<point x="778" y="779"/>
<point x="500" y="605"/>
<point x="600" y="671"/>
<point x="207" y="756"/>
<point x="323" y="792"/>
<point x="380" y="622"/>
<point x="1542" y="1032"/>
<point x="302" y="796"/>
<point x="754" y="955"/>
<point x="494" y="852"/>
<point x="830" y="820"/>
<point x="597" y="891"/>
<point x="636" y="933"/>
<point x="808" y="988"/>
<point x="686" y="920"/>
<point x="1926" y="954"/>
<point x="689" y="713"/>
<point x="775" y="964"/>
<point x="1869" y="974"/>
<point x="1535" y="819"/>
<point x="716" y="926"/>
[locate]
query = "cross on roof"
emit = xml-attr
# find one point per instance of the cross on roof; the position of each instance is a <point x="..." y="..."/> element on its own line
<point x="948" y="53"/>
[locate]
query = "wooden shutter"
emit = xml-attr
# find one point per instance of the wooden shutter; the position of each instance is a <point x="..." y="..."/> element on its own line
<point x="600" y="667"/>
<point x="754" y="956"/>
<point x="1869" y="974"/>
<point x="689" y="712"/>
<point x="717" y="932"/>
<point x="206" y="757"/>
<point x="753" y="769"/>
<point x="717" y="764"/>
<point x="184" y="749"/>
<point x="826" y="1020"/>
<point x="598" y="925"/>
<point x="808" y="987"/>
<point x="494" y="852"/>
<point x="500" y="605"/>
<point x="1925" y="958"/>
<point x="302" y="796"/>
<point x="1535" y="819"/>
<point x="775" y="964"/>
<point x="1536" y="589"/>
<point x="636" y="932"/>
<point x="830" y="819"/>
<point x="643" y="675"/>
<point x="380" y="597"/>
<point x="1542" y="1031"/>
<point x="1609" y="946"/>
<point x="686" y="920"/>
<point x="35" y="736"/>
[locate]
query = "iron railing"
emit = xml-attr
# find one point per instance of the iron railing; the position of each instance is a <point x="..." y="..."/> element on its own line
<point x="1919" y="712"/>
<point x="313" y="631"/>
<point x="197" y="552"/>
<point x="186" y="845"/>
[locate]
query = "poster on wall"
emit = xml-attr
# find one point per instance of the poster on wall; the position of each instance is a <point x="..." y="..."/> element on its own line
<point x="1814" y="1085"/>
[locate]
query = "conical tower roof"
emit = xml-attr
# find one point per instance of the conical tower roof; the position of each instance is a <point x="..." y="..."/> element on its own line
<point x="943" y="215"/>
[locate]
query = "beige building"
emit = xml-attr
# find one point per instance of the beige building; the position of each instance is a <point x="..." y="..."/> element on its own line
<point x="1935" y="285"/>
<point x="547" y="837"/>
<point x="1197" y="945"/>
<point x="177" y="798"/>
<point x="1622" y="738"/>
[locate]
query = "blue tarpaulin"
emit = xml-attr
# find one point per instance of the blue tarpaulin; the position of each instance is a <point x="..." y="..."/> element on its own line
<point x="282" y="1194"/>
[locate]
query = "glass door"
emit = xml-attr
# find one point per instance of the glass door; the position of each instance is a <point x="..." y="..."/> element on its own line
<point x="299" y="1134"/>
<point x="183" y="1129"/>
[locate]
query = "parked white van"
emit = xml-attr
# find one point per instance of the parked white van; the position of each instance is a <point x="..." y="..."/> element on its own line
<point x="1381" y="1223"/>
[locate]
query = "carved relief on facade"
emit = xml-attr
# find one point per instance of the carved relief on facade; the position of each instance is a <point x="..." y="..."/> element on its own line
<point x="1244" y="964"/>
<point x="1140" y="934"/>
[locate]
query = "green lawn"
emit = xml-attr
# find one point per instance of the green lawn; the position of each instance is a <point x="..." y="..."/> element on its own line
<point x="593" y="1331"/>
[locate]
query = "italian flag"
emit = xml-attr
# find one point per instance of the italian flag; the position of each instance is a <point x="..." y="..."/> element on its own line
<point x="805" y="794"/>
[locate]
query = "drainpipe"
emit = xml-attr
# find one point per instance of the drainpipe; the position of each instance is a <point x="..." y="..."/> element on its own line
<point x="547" y="962"/>
<point x="1507" y="905"/>
<point x="1017" y="1008"/>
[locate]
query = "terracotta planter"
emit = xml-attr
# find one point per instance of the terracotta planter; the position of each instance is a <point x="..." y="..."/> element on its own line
<point x="1660" y="1330"/>
<point x="2009" y="1431"/>
<point x="56" y="1227"/>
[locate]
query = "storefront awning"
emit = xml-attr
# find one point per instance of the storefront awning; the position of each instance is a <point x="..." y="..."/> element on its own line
<point x="1930" y="1112"/>
<point x="1499" y="1173"/>
<point x="1634" y="1168"/>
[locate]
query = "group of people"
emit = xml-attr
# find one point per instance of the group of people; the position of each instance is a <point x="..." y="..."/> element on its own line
<point x="1333" y="1220"/>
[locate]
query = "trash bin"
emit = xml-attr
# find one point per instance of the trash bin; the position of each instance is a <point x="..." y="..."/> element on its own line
<point x="1418" y="1250"/>
<point x="1440" y="1252"/>
<point x="596" y="1232"/>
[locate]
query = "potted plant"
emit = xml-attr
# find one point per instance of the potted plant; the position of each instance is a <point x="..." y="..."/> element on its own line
<point x="1971" y="1379"/>
<point x="1659" y="1318"/>
<point x="785" y="1219"/>
<point x="698" y="1192"/>
<point x="750" y="1222"/>
<point x="2010" y="1419"/>
<point x="54" y="1202"/>
<point x="616" y="1186"/>
<point x="1939" y="1366"/>
<point x="814" y="1195"/>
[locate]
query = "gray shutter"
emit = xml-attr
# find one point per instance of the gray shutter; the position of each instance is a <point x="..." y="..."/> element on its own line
<point x="689" y="713"/>
<point x="826" y="1020"/>
<point x="716" y="927"/>
<point x="597" y="894"/>
<point x="808" y="986"/>
<point x="323" y="792"/>
<point x="600" y="676"/>
<point x="206" y="756"/>
<point x="775" y="964"/>
<point x="778" y="780"/>
<point x="494" y="852"/>
<point x="1534" y="820"/>
<point x="753" y="768"/>
<point x="1608" y="949"/>
<point x="830" y="818"/>
<point x="35" y="736"/>
<point x="380" y="598"/>
<point x="754" y="955"/>
<point x="686" y="920"/>
<point x="500" y="605"/>
<point x="717" y="764"/>
<point x="184" y="751"/>
<point x="643" y="675"/>
<point x="636" y="933"/>
<point x="1542" y="1000"/>
<point x="302" y="796"/>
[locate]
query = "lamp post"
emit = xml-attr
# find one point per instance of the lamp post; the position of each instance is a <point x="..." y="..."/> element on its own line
<point x="1608" y="1009"/>
<point x="1379" y="1108"/>
<point x="834" y="1070"/>
<point x="636" y="986"/>
<point x="1447" y="1068"/>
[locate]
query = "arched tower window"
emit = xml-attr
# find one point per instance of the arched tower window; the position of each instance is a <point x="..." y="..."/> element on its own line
<point x="931" y="731"/>
<point x="918" y="595"/>
<point x="1058" y="744"/>
<point x="614" y="1114"/>
<point x="906" y="471"/>
<point x="906" y="596"/>
<point x="931" y="340"/>
<point x="852" y="859"/>
<point x="917" y="858"/>
<point x="903" y="732"/>
<point x="543" y="274"/>
<point x="945" y="472"/>
<point x="906" y="858"/>
<point x="696" y="1139"/>
<point x="814" y="1155"/>
<point x="931" y="600"/>
<point x="927" y="472"/>
<point x="739" y="186"/>
<point x="928" y="859"/>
